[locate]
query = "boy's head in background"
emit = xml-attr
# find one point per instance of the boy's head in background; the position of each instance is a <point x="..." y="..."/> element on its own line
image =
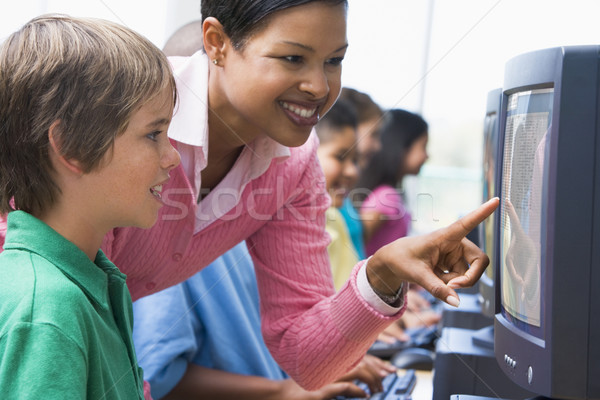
<point x="337" y="150"/>
<point x="71" y="89"/>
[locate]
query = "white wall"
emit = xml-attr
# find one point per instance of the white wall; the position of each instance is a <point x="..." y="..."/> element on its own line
<point x="155" y="19"/>
<point x="388" y="58"/>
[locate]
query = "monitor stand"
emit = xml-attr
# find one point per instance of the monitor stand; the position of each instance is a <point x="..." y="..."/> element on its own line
<point x="467" y="316"/>
<point x="484" y="337"/>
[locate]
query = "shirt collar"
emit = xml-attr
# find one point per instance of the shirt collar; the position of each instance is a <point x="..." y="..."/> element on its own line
<point x="190" y="119"/>
<point x="190" y="122"/>
<point x="28" y="233"/>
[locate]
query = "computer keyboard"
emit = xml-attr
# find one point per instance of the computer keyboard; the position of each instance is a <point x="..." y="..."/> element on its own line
<point x="387" y="350"/>
<point x="424" y="337"/>
<point x="396" y="386"/>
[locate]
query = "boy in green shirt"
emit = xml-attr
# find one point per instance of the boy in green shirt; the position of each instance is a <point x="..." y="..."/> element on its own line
<point x="84" y="109"/>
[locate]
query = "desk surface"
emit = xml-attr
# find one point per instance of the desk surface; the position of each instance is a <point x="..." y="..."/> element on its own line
<point x="424" y="386"/>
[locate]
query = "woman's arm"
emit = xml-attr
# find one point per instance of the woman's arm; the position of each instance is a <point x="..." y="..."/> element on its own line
<point x="317" y="335"/>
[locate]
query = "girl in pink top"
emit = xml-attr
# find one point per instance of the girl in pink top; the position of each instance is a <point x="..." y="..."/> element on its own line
<point x="403" y="152"/>
<point x="247" y="106"/>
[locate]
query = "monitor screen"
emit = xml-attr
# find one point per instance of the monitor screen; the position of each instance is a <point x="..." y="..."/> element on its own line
<point x="528" y="119"/>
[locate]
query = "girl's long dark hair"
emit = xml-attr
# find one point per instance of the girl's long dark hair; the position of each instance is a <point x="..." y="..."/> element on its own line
<point x="399" y="130"/>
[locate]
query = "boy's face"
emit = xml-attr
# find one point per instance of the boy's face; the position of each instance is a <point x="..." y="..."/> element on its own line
<point x="338" y="160"/>
<point x="128" y="183"/>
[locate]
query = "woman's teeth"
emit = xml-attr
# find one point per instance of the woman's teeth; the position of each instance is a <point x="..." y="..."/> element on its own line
<point x="304" y="113"/>
<point x="156" y="191"/>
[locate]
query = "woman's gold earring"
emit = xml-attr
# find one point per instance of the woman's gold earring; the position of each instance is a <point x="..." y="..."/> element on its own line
<point x="215" y="61"/>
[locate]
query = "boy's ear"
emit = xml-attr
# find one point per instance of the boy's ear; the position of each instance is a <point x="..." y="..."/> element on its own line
<point x="56" y="153"/>
<point x="214" y="39"/>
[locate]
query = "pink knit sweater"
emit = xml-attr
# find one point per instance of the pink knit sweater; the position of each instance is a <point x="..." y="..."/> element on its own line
<point x="314" y="334"/>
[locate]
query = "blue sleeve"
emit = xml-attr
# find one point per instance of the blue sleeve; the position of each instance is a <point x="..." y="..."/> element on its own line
<point x="166" y="337"/>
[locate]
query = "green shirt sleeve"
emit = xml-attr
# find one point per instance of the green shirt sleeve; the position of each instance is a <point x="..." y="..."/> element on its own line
<point x="38" y="361"/>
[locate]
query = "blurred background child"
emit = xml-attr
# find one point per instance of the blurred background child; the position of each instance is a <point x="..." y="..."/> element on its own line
<point x="337" y="156"/>
<point x="368" y="118"/>
<point x="403" y="152"/>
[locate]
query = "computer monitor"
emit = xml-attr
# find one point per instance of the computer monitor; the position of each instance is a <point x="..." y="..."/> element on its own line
<point x="486" y="229"/>
<point x="547" y="324"/>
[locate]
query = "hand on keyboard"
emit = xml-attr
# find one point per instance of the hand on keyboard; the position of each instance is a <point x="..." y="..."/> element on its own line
<point x="425" y="337"/>
<point x="396" y="386"/>
<point x="370" y="372"/>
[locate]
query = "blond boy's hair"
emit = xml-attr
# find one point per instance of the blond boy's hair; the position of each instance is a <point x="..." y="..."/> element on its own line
<point x="90" y="75"/>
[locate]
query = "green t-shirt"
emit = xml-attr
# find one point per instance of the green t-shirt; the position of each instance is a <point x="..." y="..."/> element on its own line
<point x="65" y="321"/>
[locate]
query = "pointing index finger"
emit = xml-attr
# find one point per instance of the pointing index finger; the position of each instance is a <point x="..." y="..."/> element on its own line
<point x="466" y="224"/>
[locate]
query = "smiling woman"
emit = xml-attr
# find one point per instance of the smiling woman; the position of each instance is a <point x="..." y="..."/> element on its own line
<point x="247" y="106"/>
<point x="279" y="81"/>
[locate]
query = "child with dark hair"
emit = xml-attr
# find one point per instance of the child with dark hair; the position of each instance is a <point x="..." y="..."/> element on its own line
<point x="84" y="109"/>
<point x="403" y="152"/>
<point x="368" y="116"/>
<point x="337" y="153"/>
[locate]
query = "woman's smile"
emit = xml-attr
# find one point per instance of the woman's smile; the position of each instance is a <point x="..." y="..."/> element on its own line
<point x="284" y="78"/>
